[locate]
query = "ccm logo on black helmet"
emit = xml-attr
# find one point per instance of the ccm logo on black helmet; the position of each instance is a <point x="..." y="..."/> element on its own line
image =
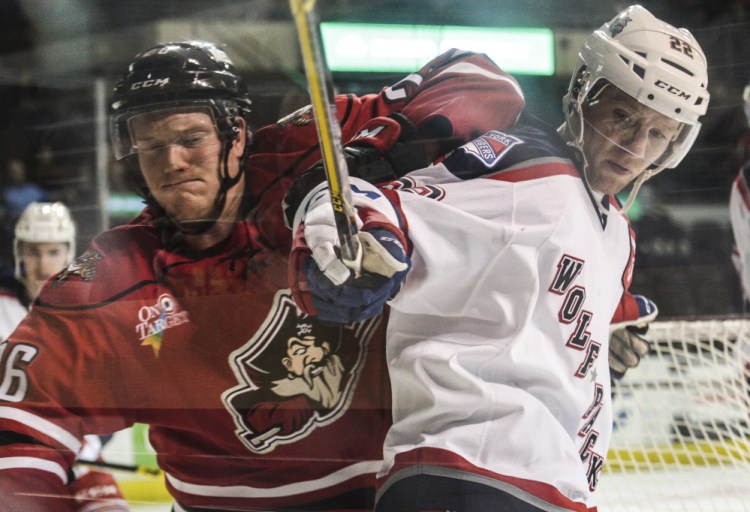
<point x="671" y="89"/>
<point x="155" y="82"/>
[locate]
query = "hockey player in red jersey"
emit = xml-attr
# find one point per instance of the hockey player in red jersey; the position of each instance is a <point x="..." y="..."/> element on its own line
<point x="504" y="266"/>
<point x="183" y="319"/>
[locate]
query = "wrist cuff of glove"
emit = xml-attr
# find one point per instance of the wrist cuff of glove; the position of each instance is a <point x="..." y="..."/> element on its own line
<point x="297" y="278"/>
<point x="373" y="219"/>
<point x="633" y="310"/>
<point x="364" y="195"/>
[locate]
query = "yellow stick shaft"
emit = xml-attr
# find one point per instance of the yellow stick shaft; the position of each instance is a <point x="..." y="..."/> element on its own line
<point x="329" y="130"/>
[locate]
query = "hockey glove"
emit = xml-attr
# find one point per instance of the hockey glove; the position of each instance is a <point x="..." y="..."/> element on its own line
<point x="97" y="491"/>
<point x="322" y="283"/>
<point x="626" y="342"/>
<point x="388" y="147"/>
<point x="378" y="153"/>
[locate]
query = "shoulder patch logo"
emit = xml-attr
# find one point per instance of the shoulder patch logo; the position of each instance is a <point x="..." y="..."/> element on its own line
<point x="491" y="147"/>
<point x="295" y="375"/>
<point x="83" y="267"/>
<point x="300" y="117"/>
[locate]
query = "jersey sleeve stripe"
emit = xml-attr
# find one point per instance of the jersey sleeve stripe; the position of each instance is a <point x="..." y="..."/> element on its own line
<point x="468" y="68"/>
<point x="14" y="463"/>
<point x="242" y="491"/>
<point x="45" y="427"/>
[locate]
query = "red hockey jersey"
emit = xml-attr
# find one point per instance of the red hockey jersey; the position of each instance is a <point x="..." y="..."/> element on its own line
<point x="251" y="405"/>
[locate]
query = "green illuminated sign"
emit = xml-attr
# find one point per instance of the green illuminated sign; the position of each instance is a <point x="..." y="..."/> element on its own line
<point x="380" y="47"/>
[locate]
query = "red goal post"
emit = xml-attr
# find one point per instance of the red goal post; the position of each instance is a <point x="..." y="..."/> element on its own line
<point x="681" y="437"/>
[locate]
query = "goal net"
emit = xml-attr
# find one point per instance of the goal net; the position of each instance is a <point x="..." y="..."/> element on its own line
<point x="681" y="439"/>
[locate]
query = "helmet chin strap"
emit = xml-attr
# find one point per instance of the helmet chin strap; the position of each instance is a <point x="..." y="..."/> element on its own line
<point x="566" y="130"/>
<point x="645" y="175"/>
<point x="633" y="193"/>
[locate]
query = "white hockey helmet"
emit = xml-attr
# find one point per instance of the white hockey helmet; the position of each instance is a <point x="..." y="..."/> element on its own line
<point x="45" y="223"/>
<point x="661" y="66"/>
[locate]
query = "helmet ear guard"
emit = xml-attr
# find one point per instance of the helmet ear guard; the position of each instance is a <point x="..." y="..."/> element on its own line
<point x="228" y="124"/>
<point x="578" y="80"/>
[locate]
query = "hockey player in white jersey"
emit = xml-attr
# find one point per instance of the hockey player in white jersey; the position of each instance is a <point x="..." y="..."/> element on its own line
<point x="44" y="244"/>
<point x="739" y="214"/>
<point x="504" y="267"/>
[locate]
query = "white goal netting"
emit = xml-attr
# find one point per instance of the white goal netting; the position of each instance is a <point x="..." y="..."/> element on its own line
<point x="681" y="438"/>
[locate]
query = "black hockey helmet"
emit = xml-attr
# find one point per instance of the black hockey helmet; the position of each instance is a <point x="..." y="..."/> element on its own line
<point x="189" y="73"/>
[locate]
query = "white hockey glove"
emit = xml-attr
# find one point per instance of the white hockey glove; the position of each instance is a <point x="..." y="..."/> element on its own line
<point x="626" y="342"/>
<point x="325" y="285"/>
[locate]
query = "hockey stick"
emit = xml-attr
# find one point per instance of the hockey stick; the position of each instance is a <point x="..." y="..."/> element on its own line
<point x="320" y="86"/>
<point x="139" y="470"/>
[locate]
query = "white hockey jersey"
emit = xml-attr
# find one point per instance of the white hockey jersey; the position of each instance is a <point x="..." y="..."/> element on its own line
<point x="12" y="307"/>
<point x="739" y="215"/>
<point x="498" y="341"/>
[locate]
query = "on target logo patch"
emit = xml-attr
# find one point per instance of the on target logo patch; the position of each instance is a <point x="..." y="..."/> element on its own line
<point x="491" y="147"/>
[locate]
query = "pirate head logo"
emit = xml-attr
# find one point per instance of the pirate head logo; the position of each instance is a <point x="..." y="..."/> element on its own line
<point x="619" y="24"/>
<point x="295" y="375"/>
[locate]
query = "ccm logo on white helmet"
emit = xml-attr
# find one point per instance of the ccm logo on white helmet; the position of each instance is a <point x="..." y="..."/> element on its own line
<point x="671" y="89"/>
<point x="155" y="82"/>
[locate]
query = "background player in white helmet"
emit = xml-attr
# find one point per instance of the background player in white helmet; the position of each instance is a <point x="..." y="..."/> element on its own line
<point x="44" y="244"/>
<point x="506" y="265"/>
